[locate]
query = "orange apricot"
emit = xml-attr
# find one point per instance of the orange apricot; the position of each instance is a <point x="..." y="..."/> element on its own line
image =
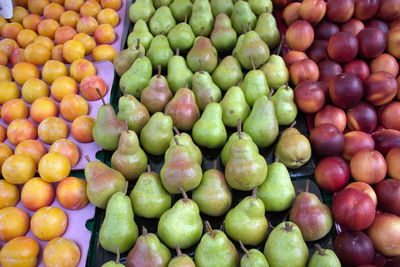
<point x="5" y="74"/>
<point x="37" y="6"/>
<point x="82" y="68"/>
<point x="81" y="129"/>
<point x="73" y="4"/>
<point x="88" y="42"/>
<point x="63" y="86"/>
<point x="7" y="46"/>
<point x="14" y="109"/>
<point x="31" y="21"/>
<point x="104" y="52"/>
<point x="48" y="28"/>
<point x="61" y="252"/>
<point x="3" y="59"/>
<point x="90" y="8"/>
<point x="104" y="34"/>
<point x="63" y="34"/>
<point x="68" y="148"/>
<point x="20" y="251"/>
<point x="48" y="223"/>
<point x="37" y="53"/>
<point x="54" y="167"/>
<point x="31" y="148"/>
<point x="109" y="16"/>
<point x="19" y="13"/>
<point x="9" y="194"/>
<point x="24" y="71"/>
<point x="8" y="91"/>
<point x="73" y="106"/>
<point x="51" y="129"/>
<point x="5" y="152"/>
<point x="114" y="4"/>
<point x="20" y="130"/>
<point x="11" y="30"/>
<point x="37" y="193"/>
<point x="42" y="108"/>
<point x="57" y="53"/>
<point x="33" y="89"/>
<point x="52" y="70"/>
<point x="73" y="50"/>
<point x="87" y="24"/>
<point x="19" y="225"/>
<point x="69" y="18"/>
<point x="71" y="193"/>
<point x="18" y="169"/>
<point x="3" y="136"/>
<point x="53" y="11"/>
<point x="26" y="37"/>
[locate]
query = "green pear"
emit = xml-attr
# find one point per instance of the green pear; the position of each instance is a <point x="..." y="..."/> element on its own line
<point x="185" y="140"/>
<point x="253" y="52"/>
<point x="179" y="75"/>
<point x="324" y="257"/>
<point x="242" y="17"/>
<point x="228" y="73"/>
<point x="209" y="131"/>
<point x="202" y="19"/>
<point x="247" y="222"/>
<point x="223" y="36"/>
<point x="277" y="192"/>
<point x="181" y="225"/>
<point x="181" y="9"/>
<point x="180" y="171"/>
<point x="205" y="90"/>
<point x="267" y="29"/>
<point x="213" y="195"/>
<point x="133" y="112"/>
<point x="129" y="159"/>
<point x="181" y="260"/>
<point x="137" y="77"/>
<point x="157" y="134"/>
<point x="238" y="45"/>
<point x="221" y="6"/>
<point x="159" y="52"/>
<point x="202" y="56"/>
<point x="114" y="263"/>
<point x="261" y="124"/>
<point x="162" y="21"/>
<point x="234" y="107"/>
<point x="285" y="246"/>
<point x="285" y="107"/>
<point x="215" y="250"/>
<point x="276" y="71"/>
<point x="254" y="86"/>
<point x="149" y="198"/>
<point x="140" y="32"/>
<point x="252" y="258"/>
<point x="124" y="60"/>
<point x="160" y="3"/>
<point x="118" y="227"/>
<point x="260" y="6"/>
<point x="181" y="37"/>
<point x="245" y="168"/>
<point x="141" y="9"/>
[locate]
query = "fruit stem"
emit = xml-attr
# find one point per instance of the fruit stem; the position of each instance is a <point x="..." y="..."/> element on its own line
<point x="176" y="141"/>
<point x="293" y="124"/>
<point x="244" y="28"/>
<point x="249" y="26"/>
<point x="101" y="96"/>
<point x="87" y="158"/>
<point x="270" y="225"/>
<point x="252" y="62"/>
<point x="271" y="92"/>
<point x="254" y="192"/>
<point x="177" y="51"/>
<point x="287" y="86"/>
<point x="307" y="185"/>
<point x="280" y="45"/>
<point x="158" y="71"/>
<point x="118" y="254"/>
<point x="246" y="252"/>
<point x="148" y="168"/>
<point x="185" y="197"/>
<point x="144" y="231"/>
<point x="137" y="44"/>
<point x="176" y="131"/>
<point x="123" y="91"/>
<point x="202" y="31"/>
<point x="266" y="9"/>
<point x="320" y="250"/>
<point x="186" y="15"/>
<point x="201" y="66"/>
<point x="288" y="227"/>
<point x="126" y="187"/>
<point x="276" y="159"/>
<point x="239" y="128"/>
<point x="126" y="126"/>
<point x="209" y="228"/>
<point x="215" y="164"/>
<point x="178" y="251"/>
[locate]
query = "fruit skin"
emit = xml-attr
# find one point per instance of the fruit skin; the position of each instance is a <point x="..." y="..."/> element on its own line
<point x="354" y="248"/>
<point x="61" y="251"/>
<point x="380" y="88"/>
<point x="326" y="140"/>
<point x="71" y="193"/>
<point x="355" y="141"/>
<point x="9" y="194"/>
<point x="365" y="188"/>
<point x="362" y="117"/>
<point x="19" y="225"/>
<point x="368" y="166"/>
<point x="332" y="173"/>
<point x="324" y="257"/>
<point x="386" y="139"/>
<point x="17" y="169"/>
<point x="342" y="46"/>
<point x="346" y="90"/>
<point x="54" y="167"/>
<point x="48" y="223"/>
<point x="384" y="234"/>
<point x="331" y="115"/>
<point x="388" y="195"/>
<point x="300" y="28"/>
<point x="36" y="194"/>
<point x="20" y="251"/>
<point x="309" y="96"/>
<point x="372" y="42"/>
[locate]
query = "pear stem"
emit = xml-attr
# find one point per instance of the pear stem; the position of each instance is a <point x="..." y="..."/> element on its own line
<point x="209" y="228"/>
<point x="158" y="71"/>
<point x="126" y="187"/>
<point x="185" y="197"/>
<point x="280" y="45"/>
<point x="186" y="17"/>
<point x="148" y="168"/>
<point x="177" y="52"/>
<point x="87" y="158"/>
<point x="244" y="28"/>
<point x="178" y="251"/>
<point x="252" y="62"/>
<point x="266" y="9"/>
<point x="118" y="254"/>
<point x="202" y="31"/>
<point x="288" y="227"/>
<point x="307" y="185"/>
<point x="249" y="27"/>
<point x="126" y="126"/>
<point x="144" y="231"/>
<point x="270" y="225"/>
<point x="201" y="66"/>
<point x="287" y="86"/>
<point x="320" y="250"/>
<point x="271" y="92"/>
<point x="276" y="159"/>
<point x="293" y="124"/>
<point x="176" y="141"/>
<point x="101" y="96"/>
<point x="176" y="131"/>
<point x="239" y="128"/>
<point x="137" y="44"/>
<point x="246" y="252"/>
<point x="215" y="164"/>
<point x="254" y="192"/>
<point x="123" y="91"/>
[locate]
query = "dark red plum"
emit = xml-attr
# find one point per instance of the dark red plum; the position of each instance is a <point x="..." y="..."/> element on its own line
<point x="354" y="248"/>
<point x="365" y="9"/>
<point x="380" y="88"/>
<point x="379" y="24"/>
<point x="346" y="90"/>
<point x="325" y="29"/>
<point x="362" y="118"/>
<point x="353" y="26"/>
<point x="357" y="67"/>
<point x="388" y="195"/>
<point x="317" y="51"/>
<point x="326" y="140"/>
<point x="342" y="47"/>
<point x="372" y="42"/>
<point x="340" y="11"/>
<point x="328" y="70"/>
<point x="389" y="10"/>
<point x="386" y="139"/>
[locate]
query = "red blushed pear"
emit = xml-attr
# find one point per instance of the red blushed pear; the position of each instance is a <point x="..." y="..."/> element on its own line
<point x="326" y="140"/>
<point x="357" y="67"/>
<point x="380" y="88"/>
<point x="340" y="11"/>
<point x="309" y="96"/>
<point x="293" y="56"/>
<point x="386" y="140"/>
<point x="346" y="90"/>
<point x="332" y="173"/>
<point x="353" y="26"/>
<point x="355" y="141"/>
<point x="342" y="47"/>
<point x="388" y="194"/>
<point x="365" y="188"/>
<point x="328" y="70"/>
<point x="365" y="9"/>
<point x="300" y="35"/>
<point x="368" y="166"/>
<point x="291" y="13"/>
<point x="385" y="234"/>
<point x="390" y="114"/>
<point x="354" y="248"/>
<point x="362" y="117"/>
<point x="303" y="70"/>
<point x="332" y="115"/>
<point x="312" y="11"/>
<point x="325" y="29"/>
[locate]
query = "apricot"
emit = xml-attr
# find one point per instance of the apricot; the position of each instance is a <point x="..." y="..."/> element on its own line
<point x="31" y="148"/>
<point x="3" y="136"/>
<point x="68" y="148"/>
<point x="73" y="50"/>
<point x="3" y="22"/>
<point x="36" y="194"/>
<point x="9" y="194"/>
<point x="7" y="46"/>
<point x="44" y="40"/>
<point x="54" y="167"/>
<point x="88" y="42"/>
<point x="87" y="24"/>
<point x="37" y="53"/>
<point x="20" y="251"/>
<point x="69" y="18"/>
<point x="109" y="16"/>
<point x="90" y="8"/>
<point x="48" y="28"/>
<point x="14" y="222"/>
<point x="20" y="130"/>
<point x="81" y="129"/>
<point x="42" y="108"/>
<point x="71" y="193"/>
<point x="63" y="34"/>
<point x="104" y="52"/>
<point x="51" y="129"/>
<point x="52" y="70"/>
<point x="26" y="37"/>
<point x="53" y="11"/>
<point x="73" y="4"/>
<point x="48" y="223"/>
<point x="24" y="71"/>
<point x="17" y="56"/>
<point x="33" y="89"/>
<point x="89" y="86"/>
<point x="73" y="106"/>
<point x="8" y="91"/>
<point x="19" y="13"/>
<point x="104" y="34"/>
<point x="10" y="30"/>
<point x="14" y="109"/>
<point x="31" y="21"/>
<point x="82" y="68"/>
<point x="3" y="59"/>
<point x="61" y="2"/>
<point x="5" y="74"/>
<point x="63" y="86"/>
<point x="57" y="53"/>
<point x="18" y="169"/>
<point x="37" y="6"/>
<point x="61" y="252"/>
<point x="5" y="152"/>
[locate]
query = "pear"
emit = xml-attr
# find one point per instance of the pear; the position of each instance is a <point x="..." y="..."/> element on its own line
<point x="221" y="6"/>
<point x="137" y="77"/>
<point x="293" y="149"/>
<point x="242" y="16"/>
<point x="159" y="52"/>
<point x="179" y="75"/>
<point x="157" y="134"/>
<point x="285" y="246"/>
<point x="181" y="9"/>
<point x="238" y="45"/>
<point x="213" y="195"/>
<point x="124" y="60"/>
<point x="133" y="112"/>
<point x="181" y="225"/>
<point x="183" y="109"/>
<point x="312" y="216"/>
<point x="261" y="124"/>
<point x="276" y="72"/>
<point x="267" y="29"/>
<point x="108" y="127"/>
<point x="252" y="258"/>
<point x="277" y="192"/>
<point x="181" y="260"/>
<point x="118" y="228"/>
<point x="234" y="107"/>
<point x="140" y="33"/>
<point x="202" y="56"/>
<point x="260" y="6"/>
<point x="254" y="85"/>
<point x="324" y="257"/>
<point x="148" y="251"/>
<point x="245" y="168"/>
<point x="157" y="94"/>
<point x="160" y="3"/>
<point x="181" y="36"/>
<point x="180" y="171"/>
<point x="253" y="52"/>
<point x="228" y="73"/>
<point x="215" y="250"/>
<point x="114" y="263"/>
<point x="102" y="182"/>
<point x="202" y="19"/>
<point x="129" y="159"/>
<point x="149" y="198"/>
<point x="185" y="140"/>
<point x="223" y="36"/>
<point x="162" y="21"/>
<point x="209" y="131"/>
<point x="141" y="9"/>
<point x="285" y="107"/>
<point x="205" y="90"/>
